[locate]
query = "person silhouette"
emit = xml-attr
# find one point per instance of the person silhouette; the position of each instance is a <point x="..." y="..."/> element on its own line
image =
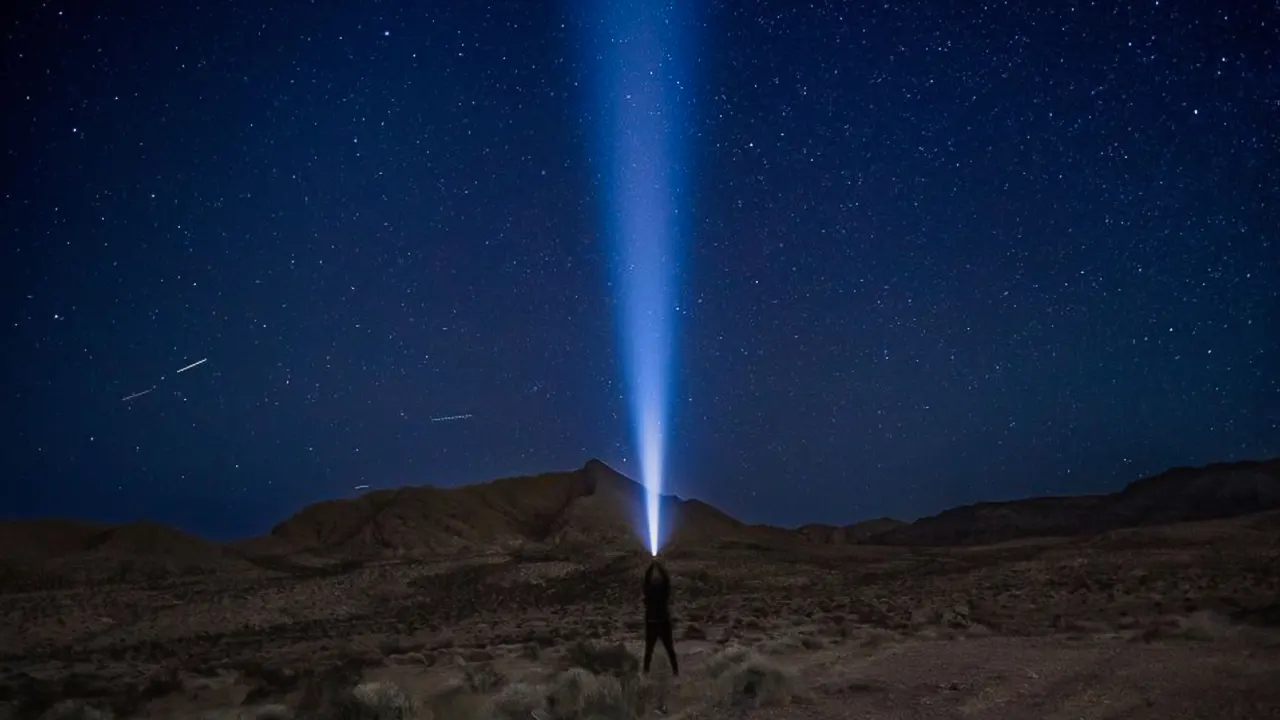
<point x="657" y="614"/>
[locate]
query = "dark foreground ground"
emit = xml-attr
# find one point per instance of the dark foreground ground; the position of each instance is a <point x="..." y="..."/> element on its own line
<point x="1172" y="622"/>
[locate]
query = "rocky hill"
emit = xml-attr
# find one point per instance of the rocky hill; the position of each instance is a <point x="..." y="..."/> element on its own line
<point x="593" y="508"/>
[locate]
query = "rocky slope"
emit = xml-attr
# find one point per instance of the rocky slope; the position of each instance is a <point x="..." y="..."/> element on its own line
<point x="591" y="507"/>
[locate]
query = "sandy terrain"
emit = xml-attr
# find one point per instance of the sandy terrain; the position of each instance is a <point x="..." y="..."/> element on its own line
<point x="1178" y="621"/>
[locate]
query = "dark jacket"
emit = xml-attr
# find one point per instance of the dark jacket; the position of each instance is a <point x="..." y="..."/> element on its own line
<point x="657" y="594"/>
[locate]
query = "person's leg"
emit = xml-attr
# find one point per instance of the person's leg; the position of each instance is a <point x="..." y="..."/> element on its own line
<point x="669" y="643"/>
<point x="650" y="637"/>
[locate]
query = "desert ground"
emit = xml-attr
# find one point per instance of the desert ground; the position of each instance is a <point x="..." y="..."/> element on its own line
<point x="1176" y="621"/>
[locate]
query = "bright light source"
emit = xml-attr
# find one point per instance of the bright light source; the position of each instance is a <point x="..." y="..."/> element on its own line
<point x="635" y="56"/>
<point x="651" y="454"/>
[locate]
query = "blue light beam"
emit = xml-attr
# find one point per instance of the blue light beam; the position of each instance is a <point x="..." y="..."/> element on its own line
<point x="636" y="60"/>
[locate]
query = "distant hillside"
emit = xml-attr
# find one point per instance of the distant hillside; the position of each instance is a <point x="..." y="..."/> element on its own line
<point x="53" y="538"/>
<point x="56" y="552"/>
<point x="592" y="509"/>
<point x="1178" y="495"/>
<point x="47" y="538"/>
<point x="858" y="532"/>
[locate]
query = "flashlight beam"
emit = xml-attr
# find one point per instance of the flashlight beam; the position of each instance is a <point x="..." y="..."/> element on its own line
<point x="637" y="67"/>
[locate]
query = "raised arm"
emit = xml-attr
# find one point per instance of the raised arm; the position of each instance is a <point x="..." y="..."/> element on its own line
<point x="662" y="572"/>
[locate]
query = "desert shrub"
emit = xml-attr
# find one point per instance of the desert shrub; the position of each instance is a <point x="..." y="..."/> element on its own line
<point x="331" y="688"/>
<point x="1201" y="626"/>
<point x="379" y="701"/>
<point x="719" y="663"/>
<point x="516" y="701"/>
<point x="399" y="645"/>
<point x="978" y="630"/>
<point x="456" y="702"/>
<point x="937" y="633"/>
<point x="273" y="712"/>
<point x="694" y="632"/>
<point x="780" y="646"/>
<point x="266" y="681"/>
<point x="600" y="659"/>
<point x="564" y="698"/>
<point x="1204" y="626"/>
<point x="483" y="678"/>
<point x="413" y="658"/>
<point x="742" y="677"/>
<point x="74" y="710"/>
<point x="875" y="637"/>
<point x="578" y="694"/>
<point x="476" y="655"/>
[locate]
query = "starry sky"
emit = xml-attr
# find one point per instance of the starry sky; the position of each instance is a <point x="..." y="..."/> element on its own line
<point x="936" y="253"/>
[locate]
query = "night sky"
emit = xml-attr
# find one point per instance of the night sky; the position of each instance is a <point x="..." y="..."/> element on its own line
<point x="935" y="253"/>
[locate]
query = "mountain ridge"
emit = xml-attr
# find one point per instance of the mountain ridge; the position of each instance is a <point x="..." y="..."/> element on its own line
<point x="596" y="507"/>
<point x="1179" y="494"/>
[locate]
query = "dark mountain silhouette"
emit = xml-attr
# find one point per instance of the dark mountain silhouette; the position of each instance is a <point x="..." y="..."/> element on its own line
<point x="855" y="533"/>
<point x="51" y="538"/>
<point x="53" y="552"/>
<point x="591" y="507"/>
<point x="594" y="508"/>
<point x="1178" y="495"/>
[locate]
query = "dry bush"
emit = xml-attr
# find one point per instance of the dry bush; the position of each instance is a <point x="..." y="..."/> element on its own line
<point x="578" y="694"/>
<point x="380" y="701"/>
<point x="413" y="658"/>
<point x="614" y="659"/>
<point x="516" y="701"/>
<point x="742" y="677"/>
<point x="262" y="712"/>
<point x="1075" y="627"/>
<point x="74" y="710"/>
<point x="273" y="712"/>
<point x="978" y="630"/>
<point x="456" y="703"/>
<point x="875" y="637"/>
<point x="937" y="633"/>
<point x="400" y="645"/>
<point x="1204" y="626"/>
<point x="781" y="646"/>
<point x="720" y="662"/>
<point x="694" y="632"/>
<point x="599" y="681"/>
<point x="483" y="679"/>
